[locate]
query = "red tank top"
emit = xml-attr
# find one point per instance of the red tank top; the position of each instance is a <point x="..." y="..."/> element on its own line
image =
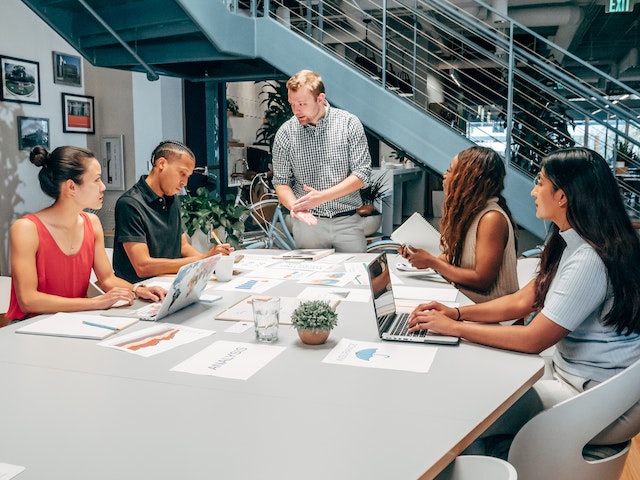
<point x="58" y="273"/>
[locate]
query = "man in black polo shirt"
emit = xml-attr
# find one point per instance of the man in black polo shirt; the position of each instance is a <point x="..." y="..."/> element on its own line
<point x="148" y="239"/>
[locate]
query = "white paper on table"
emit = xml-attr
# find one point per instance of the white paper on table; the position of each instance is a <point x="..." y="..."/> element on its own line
<point x="252" y="262"/>
<point x="156" y="339"/>
<point x="230" y="359"/>
<point x="164" y="282"/>
<point x="426" y="294"/>
<point x="336" y="258"/>
<point x="305" y="265"/>
<point x="249" y="285"/>
<point x="385" y="355"/>
<point x="331" y="293"/>
<point x="361" y="271"/>
<point x="280" y="273"/>
<point x="8" y="471"/>
<point x="406" y="305"/>
<point x="332" y="279"/>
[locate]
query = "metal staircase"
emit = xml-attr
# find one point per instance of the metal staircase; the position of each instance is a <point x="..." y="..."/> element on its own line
<point x="452" y="76"/>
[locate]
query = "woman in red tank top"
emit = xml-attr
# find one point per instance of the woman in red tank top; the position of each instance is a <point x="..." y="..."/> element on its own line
<point x="54" y="250"/>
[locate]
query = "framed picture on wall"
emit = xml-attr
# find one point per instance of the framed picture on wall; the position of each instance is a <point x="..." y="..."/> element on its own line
<point x="112" y="160"/>
<point x="32" y="131"/>
<point x="77" y="114"/>
<point x="20" y="80"/>
<point x="67" y="69"/>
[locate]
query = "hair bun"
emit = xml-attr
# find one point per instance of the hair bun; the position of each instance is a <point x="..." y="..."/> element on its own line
<point x="39" y="156"/>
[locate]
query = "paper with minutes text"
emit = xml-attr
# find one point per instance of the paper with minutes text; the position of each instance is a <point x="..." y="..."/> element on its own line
<point x="426" y="294"/>
<point x="385" y="355"/>
<point x="156" y="339"/>
<point x="236" y="360"/>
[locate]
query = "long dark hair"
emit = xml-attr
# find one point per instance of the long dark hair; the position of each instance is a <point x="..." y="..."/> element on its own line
<point x="64" y="163"/>
<point x="477" y="177"/>
<point x="596" y="212"/>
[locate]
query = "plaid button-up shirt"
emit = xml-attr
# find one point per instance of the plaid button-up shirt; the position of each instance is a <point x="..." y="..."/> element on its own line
<point x="322" y="156"/>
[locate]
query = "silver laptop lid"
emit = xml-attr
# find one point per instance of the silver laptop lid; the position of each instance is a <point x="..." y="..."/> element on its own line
<point x="381" y="291"/>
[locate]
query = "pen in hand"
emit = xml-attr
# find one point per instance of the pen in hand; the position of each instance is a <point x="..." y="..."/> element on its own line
<point x="215" y="237"/>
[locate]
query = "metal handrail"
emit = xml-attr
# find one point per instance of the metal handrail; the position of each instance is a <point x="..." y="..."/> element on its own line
<point x="432" y="49"/>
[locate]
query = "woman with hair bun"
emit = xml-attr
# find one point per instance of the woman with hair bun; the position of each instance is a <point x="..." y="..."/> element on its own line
<point x="478" y="237"/>
<point x="54" y="250"/>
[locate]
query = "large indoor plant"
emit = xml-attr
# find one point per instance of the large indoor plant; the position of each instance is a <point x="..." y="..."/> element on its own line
<point x="314" y="319"/>
<point x="206" y="213"/>
<point x="277" y="111"/>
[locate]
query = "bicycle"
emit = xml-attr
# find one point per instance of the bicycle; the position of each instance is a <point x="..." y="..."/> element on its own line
<point x="265" y="223"/>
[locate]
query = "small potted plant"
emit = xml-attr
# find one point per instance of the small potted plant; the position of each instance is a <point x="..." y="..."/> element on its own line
<point x="314" y="319"/>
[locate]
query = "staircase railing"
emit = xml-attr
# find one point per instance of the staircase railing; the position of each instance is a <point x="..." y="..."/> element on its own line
<point x="489" y="77"/>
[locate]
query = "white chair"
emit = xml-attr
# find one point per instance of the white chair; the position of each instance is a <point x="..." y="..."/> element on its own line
<point x="478" y="467"/>
<point x="5" y="293"/>
<point x="551" y="444"/>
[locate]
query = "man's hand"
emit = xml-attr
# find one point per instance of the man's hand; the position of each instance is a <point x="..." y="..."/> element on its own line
<point x="312" y="199"/>
<point x="306" y="217"/>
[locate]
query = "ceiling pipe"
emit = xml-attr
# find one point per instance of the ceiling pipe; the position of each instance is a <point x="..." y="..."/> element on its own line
<point x="151" y="73"/>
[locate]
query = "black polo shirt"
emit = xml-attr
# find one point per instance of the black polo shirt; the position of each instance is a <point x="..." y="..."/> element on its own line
<point x="144" y="217"/>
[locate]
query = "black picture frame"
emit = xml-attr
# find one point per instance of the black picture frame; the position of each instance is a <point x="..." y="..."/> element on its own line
<point x="67" y="69"/>
<point x="20" y="80"/>
<point x="32" y="131"/>
<point x="78" y="114"/>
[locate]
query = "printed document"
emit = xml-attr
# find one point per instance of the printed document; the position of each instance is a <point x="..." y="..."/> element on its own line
<point x="385" y="355"/>
<point x="235" y="360"/>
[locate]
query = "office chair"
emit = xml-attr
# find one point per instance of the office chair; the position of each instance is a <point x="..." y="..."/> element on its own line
<point x="5" y="295"/>
<point x="551" y="444"/>
<point x="478" y="467"/>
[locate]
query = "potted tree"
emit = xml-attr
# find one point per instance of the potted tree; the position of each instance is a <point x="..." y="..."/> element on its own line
<point x="372" y="194"/>
<point x="203" y="213"/>
<point x="314" y="319"/>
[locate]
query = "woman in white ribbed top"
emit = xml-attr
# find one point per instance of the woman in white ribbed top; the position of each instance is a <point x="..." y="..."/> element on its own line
<point x="478" y="234"/>
<point x="585" y="299"/>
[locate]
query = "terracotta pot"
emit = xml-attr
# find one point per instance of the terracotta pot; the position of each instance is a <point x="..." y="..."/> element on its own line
<point x="366" y="209"/>
<point x="313" y="337"/>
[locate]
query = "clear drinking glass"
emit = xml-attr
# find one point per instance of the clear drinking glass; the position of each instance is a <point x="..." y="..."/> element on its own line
<point x="266" y="313"/>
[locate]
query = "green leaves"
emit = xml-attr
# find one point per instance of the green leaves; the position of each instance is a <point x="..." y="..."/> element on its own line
<point x="204" y="212"/>
<point x="314" y="315"/>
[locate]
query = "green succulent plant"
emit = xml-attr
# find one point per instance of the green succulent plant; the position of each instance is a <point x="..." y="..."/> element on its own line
<point x="314" y="315"/>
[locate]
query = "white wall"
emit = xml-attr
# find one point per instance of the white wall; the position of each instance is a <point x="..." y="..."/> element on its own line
<point x="125" y="103"/>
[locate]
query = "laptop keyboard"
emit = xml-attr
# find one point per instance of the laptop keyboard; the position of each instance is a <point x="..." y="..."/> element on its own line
<point x="400" y="327"/>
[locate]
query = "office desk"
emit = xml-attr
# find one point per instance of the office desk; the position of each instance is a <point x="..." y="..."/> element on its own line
<point x="72" y="410"/>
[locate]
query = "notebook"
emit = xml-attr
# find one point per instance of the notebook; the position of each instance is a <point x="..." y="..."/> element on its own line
<point x="392" y="325"/>
<point x="418" y="232"/>
<point x="186" y="289"/>
<point x="77" y="325"/>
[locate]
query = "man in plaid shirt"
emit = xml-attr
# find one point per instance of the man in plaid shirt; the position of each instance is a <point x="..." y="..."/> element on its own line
<point x="320" y="162"/>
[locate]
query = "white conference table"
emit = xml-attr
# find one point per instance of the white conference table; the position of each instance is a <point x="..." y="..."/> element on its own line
<point x="73" y="410"/>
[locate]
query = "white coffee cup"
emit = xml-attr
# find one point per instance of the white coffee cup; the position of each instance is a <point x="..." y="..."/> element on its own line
<point x="224" y="268"/>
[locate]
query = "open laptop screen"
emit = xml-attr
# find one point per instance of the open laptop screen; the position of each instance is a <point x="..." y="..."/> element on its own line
<point x="381" y="290"/>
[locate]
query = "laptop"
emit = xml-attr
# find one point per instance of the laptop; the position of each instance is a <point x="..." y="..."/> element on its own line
<point x="392" y="325"/>
<point x="186" y="288"/>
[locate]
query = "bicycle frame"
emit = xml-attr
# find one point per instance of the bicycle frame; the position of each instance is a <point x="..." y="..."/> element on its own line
<point x="276" y="236"/>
